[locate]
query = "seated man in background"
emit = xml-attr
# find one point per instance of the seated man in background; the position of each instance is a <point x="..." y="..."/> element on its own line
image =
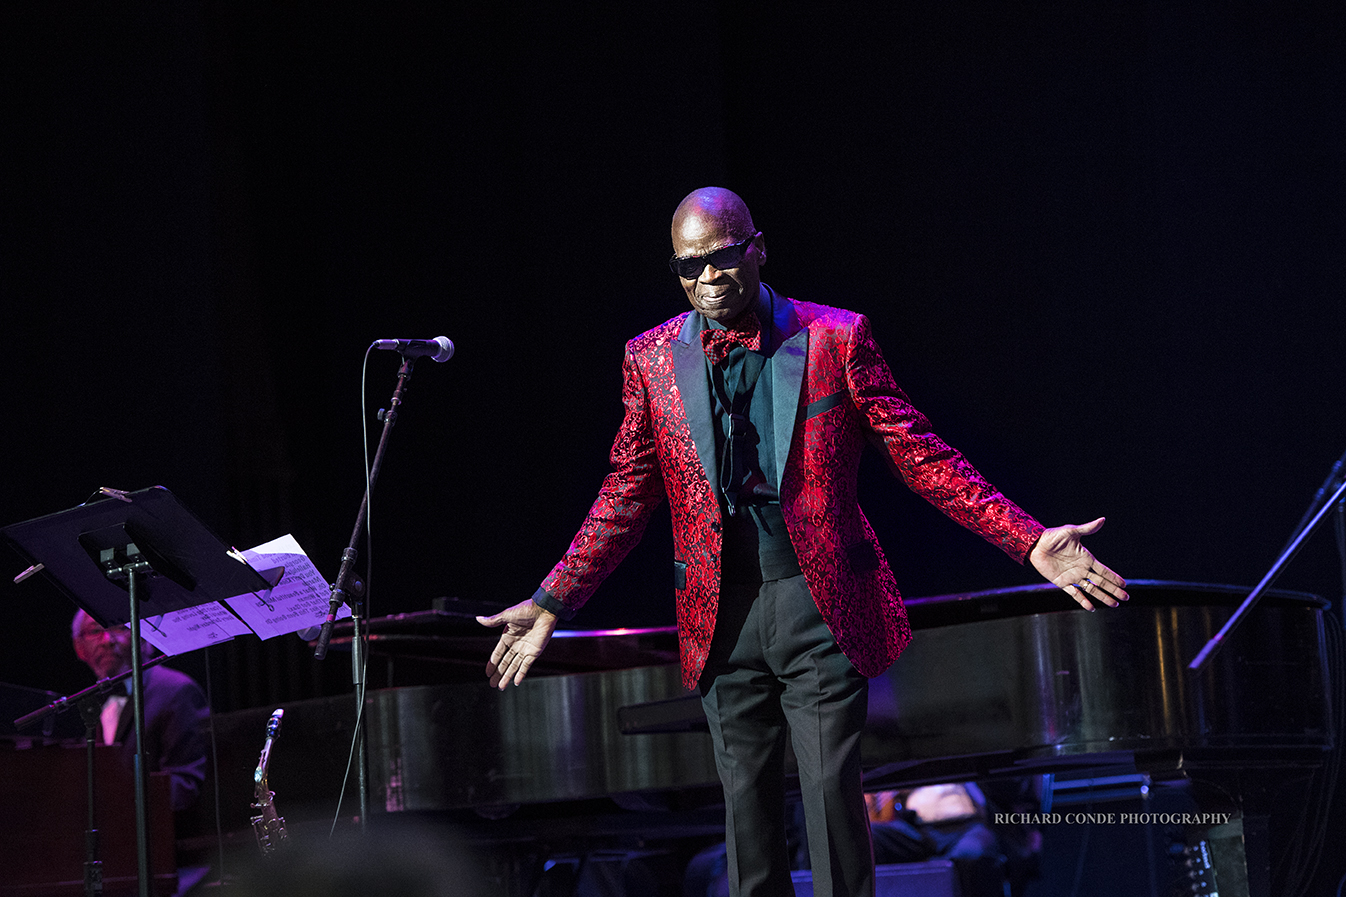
<point x="949" y="822"/>
<point x="175" y="718"/>
<point x="954" y="822"/>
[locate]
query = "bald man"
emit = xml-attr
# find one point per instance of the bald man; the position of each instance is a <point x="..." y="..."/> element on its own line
<point x="749" y="414"/>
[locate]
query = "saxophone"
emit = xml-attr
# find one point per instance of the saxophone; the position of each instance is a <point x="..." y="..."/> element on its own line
<point x="268" y="825"/>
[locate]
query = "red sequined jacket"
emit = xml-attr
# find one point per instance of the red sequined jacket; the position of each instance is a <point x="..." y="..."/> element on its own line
<point x="832" y="393"/>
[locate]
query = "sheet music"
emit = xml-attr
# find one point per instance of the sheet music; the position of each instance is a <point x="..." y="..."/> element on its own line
<point x="196" y="627"/>
<point x="298" y="601"/>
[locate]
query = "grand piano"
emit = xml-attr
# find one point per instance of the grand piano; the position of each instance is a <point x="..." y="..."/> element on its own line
<point x="602" y="742"/>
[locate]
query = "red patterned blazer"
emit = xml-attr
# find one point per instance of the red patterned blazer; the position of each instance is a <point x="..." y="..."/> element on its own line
<point x="832" y="393"/>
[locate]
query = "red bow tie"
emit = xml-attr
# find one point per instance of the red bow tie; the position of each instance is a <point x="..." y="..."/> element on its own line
<point x="745" y="331"/>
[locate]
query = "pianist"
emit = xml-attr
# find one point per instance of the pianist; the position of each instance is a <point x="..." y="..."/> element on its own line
<point x="749" y="414"/>
<point x="175" y="724"/>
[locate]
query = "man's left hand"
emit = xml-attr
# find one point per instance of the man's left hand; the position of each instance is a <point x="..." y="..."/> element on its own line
<point x="1063" y="560"/>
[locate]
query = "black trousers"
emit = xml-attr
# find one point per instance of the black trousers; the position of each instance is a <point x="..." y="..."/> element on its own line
<point x="775" y="668"/>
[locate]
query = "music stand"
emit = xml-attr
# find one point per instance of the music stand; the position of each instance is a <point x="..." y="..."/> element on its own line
<point x="124" y="557"/>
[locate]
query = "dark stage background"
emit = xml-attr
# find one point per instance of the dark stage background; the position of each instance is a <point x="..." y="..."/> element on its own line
<point x="1102" y="246"/>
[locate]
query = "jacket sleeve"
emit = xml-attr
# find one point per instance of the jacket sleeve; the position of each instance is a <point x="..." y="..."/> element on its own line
<point x="176" y="716"/>
<point x="929" y="466"/>
<point x="617" y="518"/>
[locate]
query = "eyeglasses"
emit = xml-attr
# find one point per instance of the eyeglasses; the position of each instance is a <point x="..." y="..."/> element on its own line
<point x="97" y="635"/>
<point x="721" y="259"/>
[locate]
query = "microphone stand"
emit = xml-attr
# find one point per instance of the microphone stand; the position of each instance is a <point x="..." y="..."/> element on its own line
<point x="89" y="711"/>
<point x="1317" y="512"/>
<point x="100" y="689"/>
<point x="345" y="586"/>
<point x="1333" y="478"/>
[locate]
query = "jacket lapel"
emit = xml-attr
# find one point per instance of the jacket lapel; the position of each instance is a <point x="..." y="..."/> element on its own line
<point x="689" y="371"/>
<point x="787" y="375"/>
<point x="787" y="378"/>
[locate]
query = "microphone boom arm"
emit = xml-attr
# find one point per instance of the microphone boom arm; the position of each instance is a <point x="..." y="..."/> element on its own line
<point x="343" y="584"/>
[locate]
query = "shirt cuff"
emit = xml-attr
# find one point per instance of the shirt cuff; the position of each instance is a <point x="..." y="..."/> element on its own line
<point x="545" y="600"/>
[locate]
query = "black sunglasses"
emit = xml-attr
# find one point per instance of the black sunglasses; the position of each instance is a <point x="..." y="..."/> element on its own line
<point x="721" y="259"/>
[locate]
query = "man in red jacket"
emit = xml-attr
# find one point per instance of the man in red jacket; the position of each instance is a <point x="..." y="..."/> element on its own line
<point x="749" y="414"/>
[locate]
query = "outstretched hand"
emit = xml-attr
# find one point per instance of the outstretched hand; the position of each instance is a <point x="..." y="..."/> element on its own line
<point x="1062" y="559"/>
<point x="528" y="628"/>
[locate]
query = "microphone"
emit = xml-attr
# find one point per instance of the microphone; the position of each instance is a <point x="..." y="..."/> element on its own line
<point x="438" y="349"/>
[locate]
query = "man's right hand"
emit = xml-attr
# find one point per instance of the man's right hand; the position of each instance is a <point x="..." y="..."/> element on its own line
<point x="528" y="628"/>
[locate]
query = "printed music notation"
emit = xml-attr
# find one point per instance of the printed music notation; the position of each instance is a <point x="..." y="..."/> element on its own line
<point x="298" y="599"/>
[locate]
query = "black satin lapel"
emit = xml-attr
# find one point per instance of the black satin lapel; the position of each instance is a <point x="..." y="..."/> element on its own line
<point x="689" y="371"/>
<point x="787" y="378"/>
<point x="126" y="723"/>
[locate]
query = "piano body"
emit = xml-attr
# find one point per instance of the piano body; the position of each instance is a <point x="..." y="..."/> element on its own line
<point x="603" y="741"/>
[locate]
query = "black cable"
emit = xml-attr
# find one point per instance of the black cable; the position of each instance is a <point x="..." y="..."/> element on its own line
<point x="369" y="553"/>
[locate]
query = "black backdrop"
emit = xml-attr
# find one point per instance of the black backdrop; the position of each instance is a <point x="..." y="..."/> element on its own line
<point x="1101" y="244"/>
<point x="1103" y="251"/>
